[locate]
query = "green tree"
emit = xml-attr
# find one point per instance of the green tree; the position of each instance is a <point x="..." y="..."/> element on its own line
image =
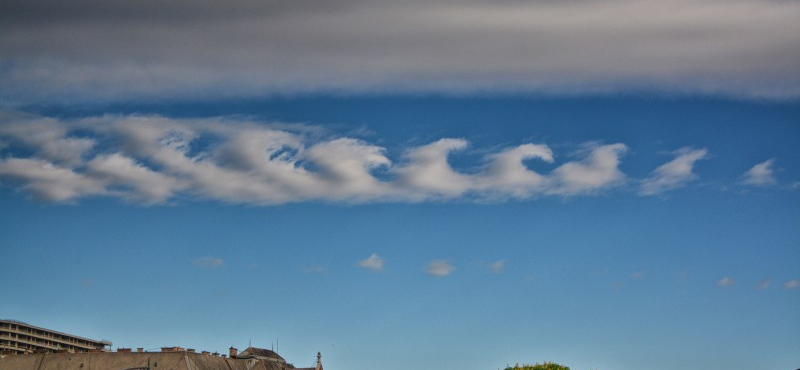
<point x="544" y="366"/>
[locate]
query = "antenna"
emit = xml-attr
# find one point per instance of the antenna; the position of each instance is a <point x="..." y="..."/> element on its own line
<point x="250" y="342"/>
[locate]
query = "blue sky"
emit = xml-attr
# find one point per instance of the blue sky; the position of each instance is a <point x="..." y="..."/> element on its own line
<point x="443" y="184"/>
<point x="608" y="278"/>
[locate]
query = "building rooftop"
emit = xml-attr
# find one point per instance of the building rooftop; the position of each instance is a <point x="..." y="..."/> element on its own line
<point x="20" y="323"/>
<point x="253" y="352"/>
<point x="128" y="360"/>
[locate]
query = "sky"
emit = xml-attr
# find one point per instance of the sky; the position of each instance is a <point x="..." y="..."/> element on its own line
<point x="441" y="184"/>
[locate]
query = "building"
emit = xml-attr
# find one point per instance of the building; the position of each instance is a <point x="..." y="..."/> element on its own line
<point x="130" y="360"/>
<point x="265" y="355"/>
<point x="19" y="338"/>
<point x="28" y="347"/>
<point x="257" y="353"/>
<point x="134" y="360"/>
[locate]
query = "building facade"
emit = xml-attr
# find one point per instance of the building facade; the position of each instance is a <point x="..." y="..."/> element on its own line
<point x="20" y="338"/>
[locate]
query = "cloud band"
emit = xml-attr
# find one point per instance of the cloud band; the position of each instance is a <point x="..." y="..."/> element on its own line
<point x="153" y="159"/>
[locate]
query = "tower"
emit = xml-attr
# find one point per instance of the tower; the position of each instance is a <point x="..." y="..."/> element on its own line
<point x="319" y="361"/>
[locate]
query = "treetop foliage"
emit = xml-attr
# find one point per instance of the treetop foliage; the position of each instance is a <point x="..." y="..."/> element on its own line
<point x="544" y="366"/>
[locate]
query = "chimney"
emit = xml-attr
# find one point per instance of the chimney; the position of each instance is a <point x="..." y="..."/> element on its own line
<point x="233" y="352"/>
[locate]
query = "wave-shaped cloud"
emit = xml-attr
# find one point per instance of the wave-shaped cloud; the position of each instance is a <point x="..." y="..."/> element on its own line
<point x="154" y="159"/>
<point x="762" y="174"/>
<point x="675" y="173"/>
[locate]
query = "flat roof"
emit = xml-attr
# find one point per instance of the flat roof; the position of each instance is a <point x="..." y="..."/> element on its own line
<point x="104" y="342"/>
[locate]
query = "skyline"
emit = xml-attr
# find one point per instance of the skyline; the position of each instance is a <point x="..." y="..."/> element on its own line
<point x="443" y="184"/>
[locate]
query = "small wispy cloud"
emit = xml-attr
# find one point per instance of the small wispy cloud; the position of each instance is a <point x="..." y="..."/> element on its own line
<point x="373" y="262"/>
<point x="209" y="262"/>
<point x="761" y="174"/>
<point x="673" y="174"/>
<point x="315" y="270"/>
<point x="87" y="282"/>
<point x="638" y="275"/>
<point x="600" y="272"/>
<point x="792" y="284"/>
<point x="764" y="284"/>
<point x="725" y="281"/>
<point x="497" y="267"/>
<point x="439" y="268"/>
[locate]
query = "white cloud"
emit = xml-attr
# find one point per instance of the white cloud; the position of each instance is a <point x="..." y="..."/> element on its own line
<point x="49" y="138"/>
<point x="209" y="262"/>
<point x="761" y="174"/>
<point x="792" y="284"/>
<point x="725" y="281"/>
<point x="507" y="174"/>
<point x="138" y="182"/>
<point x="154" y="160"/>
<point x="497" y="267"/>
<point x="46" y="181"/>
<point x="428" y="170"/>
<point x="346" y="164"/>
<point x="599" y="170"/>
<point x="673" y="174"/>
<point x="373" y="262"/>
<point x="764" y="284"/>
<point x="439" y="268"/>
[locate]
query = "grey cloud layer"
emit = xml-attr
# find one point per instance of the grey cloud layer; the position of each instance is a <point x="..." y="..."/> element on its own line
<point x="151" y="159"/>
<point x="118" y="50"/>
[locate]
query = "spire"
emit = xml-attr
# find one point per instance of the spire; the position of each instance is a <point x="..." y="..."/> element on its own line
<point x="319" y="361"/>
